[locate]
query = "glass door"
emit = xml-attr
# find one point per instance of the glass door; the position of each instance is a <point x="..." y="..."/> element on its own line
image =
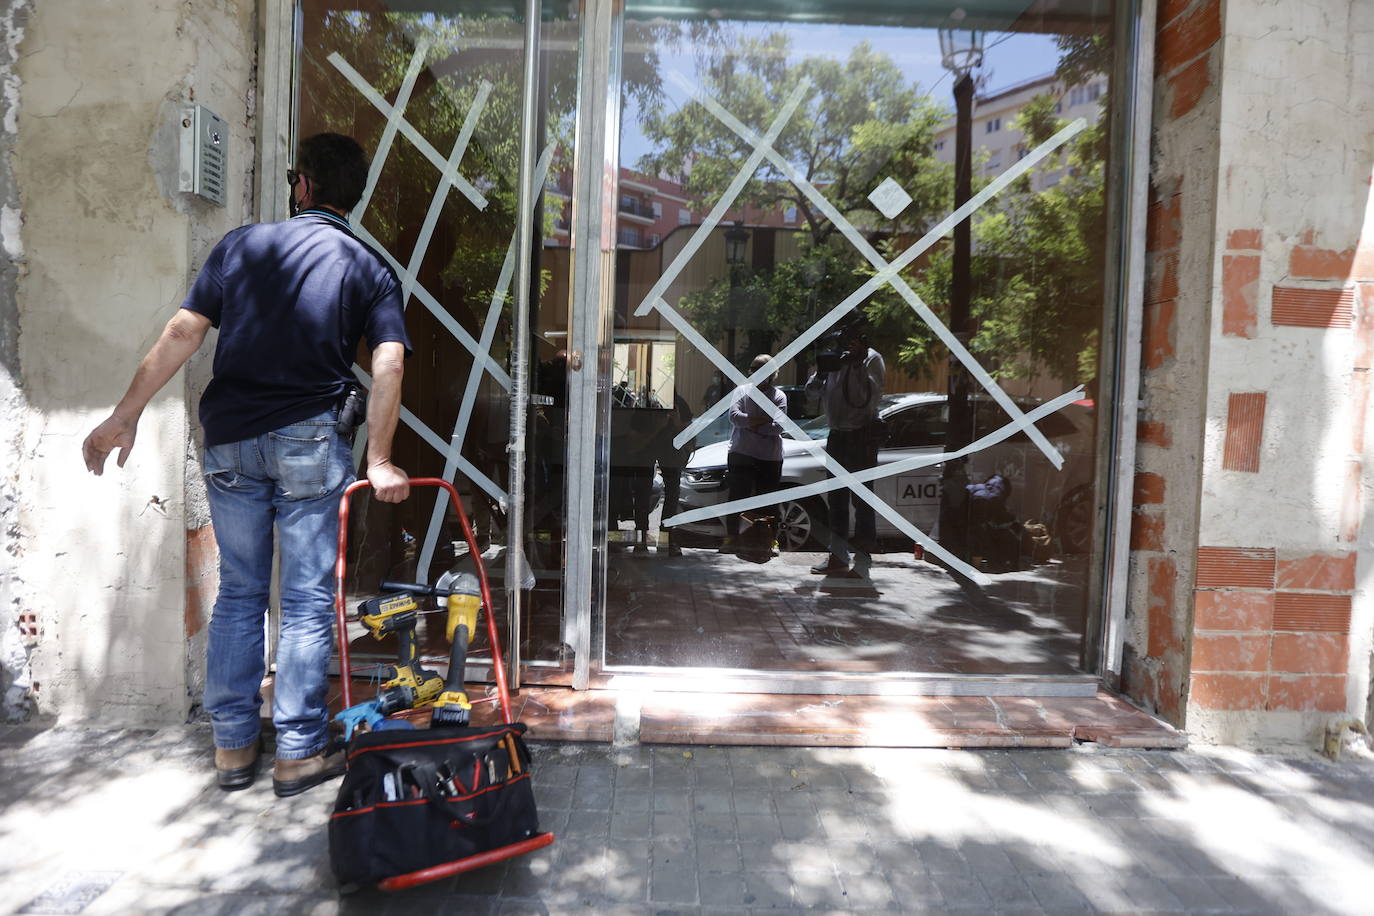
<point x="854" y="336"/>
<point x="433" y="91"/>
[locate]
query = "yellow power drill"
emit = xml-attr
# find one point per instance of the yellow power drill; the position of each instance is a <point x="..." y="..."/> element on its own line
<point x="409" y="684"/>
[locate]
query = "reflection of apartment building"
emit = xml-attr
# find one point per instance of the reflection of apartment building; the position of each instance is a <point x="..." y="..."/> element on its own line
<point x="649" y="209"/>
<point x="995" y="137"/>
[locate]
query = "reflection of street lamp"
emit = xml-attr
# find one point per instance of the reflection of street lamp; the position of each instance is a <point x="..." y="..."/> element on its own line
<point x="961" y="51"/>
<point x="736" y="243"/>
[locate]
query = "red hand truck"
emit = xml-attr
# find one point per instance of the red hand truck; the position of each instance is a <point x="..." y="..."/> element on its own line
<point x="493" y="856"/>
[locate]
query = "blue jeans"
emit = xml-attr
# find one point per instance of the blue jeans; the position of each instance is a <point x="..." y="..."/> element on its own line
<point x="292" y="478"/>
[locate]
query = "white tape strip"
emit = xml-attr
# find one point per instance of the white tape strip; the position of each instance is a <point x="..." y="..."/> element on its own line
<point x="746" y="172"/>
<point x="842" y="476"/>
<point x="436" y="443"/>
<point x="429" y="152"/>
<point x="438" y="311"/>
<point x="883" y="275"/>
<point x="470" y="391"/>
<point x="436" y="203"/>
<point x="904" y="466"/>
<point x="862" y="245"/>
<point x="374" y="171"/>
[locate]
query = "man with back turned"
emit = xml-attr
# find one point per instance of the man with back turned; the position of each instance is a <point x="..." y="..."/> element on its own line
<point x="292" y="300"/>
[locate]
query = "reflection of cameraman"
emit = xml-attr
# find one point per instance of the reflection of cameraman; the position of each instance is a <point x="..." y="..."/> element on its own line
<point x="849" y="381"/>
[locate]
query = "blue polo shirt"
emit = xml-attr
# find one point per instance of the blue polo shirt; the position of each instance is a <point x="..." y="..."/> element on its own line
<point x="291" y="301"/>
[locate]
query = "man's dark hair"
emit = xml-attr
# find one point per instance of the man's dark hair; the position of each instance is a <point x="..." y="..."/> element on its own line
<point x="337" y="167"/>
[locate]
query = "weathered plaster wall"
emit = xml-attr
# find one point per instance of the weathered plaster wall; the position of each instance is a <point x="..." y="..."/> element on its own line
<point x="15" y="627"/>
<point x="111" y="248"/>
<point x="1179" y="256"/>
<point x="1281" y="641"/>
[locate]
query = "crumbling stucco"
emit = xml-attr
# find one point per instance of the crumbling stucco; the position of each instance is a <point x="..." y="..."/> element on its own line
<point x="14" y="640"/>
<point x="112" y="248"/>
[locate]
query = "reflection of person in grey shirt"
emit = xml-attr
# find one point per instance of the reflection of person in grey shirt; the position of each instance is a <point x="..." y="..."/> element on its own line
<point x="850" y="396"/>
<point x="755" y="457"/>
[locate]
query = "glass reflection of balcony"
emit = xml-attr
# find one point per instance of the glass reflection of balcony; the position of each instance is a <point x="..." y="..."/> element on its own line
<point x="635" y="208"/>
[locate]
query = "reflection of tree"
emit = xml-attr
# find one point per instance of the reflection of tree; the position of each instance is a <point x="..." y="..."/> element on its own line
<point x="463" y="53"/>
<point x="1038" y="262"/>
<point x="860" y="122"/>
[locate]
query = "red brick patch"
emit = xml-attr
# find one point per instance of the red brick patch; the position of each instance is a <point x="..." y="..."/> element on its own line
<point x="1230" y="652"/>
<point x="1351" y="496"/>
<point x="1244" y="431"/>
<point x="1364" y="327"/>
<point x="1312" y="308"/>
<point x="1228" y="610"/>
<point x="1235" y="567"/>
<point x="1163" y="223"/>
<point x="1245" y="239"/>
<point x="1162" y="578"/>
<point x="1310" y="653"/>
<point x="1153" y="432"/>
<point x="1239" y="294"/>
<point x="1309" y="612"/>
<point x="202" y="568"/>
<point x="1306" y="693"/>
<point x="1147" y="531"/>
<point x="1188" y="86"/>
<point x="1169" y="9"/>
<point x="1229" y="691"/>
<point x="1158" y="340"/>
<point x="1167" y="286"/>
<point x="1332" y="572"/>
<point x="1149" y="488"/>
<point x="1314" y="263"/>
<point x="1188" y="35"/>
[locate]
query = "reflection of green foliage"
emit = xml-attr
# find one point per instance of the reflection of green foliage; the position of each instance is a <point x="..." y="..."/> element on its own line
<point x="777" y="304"/>
<point x="471" y="244"/>
<point x="1039" y="257"/>
<point x="859" y="122"/>
<point x="1038" y="265"/>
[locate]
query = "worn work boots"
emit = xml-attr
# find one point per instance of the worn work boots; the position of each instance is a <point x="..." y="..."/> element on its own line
<point x="236" y="769"/>
<point x="292" y="777"/>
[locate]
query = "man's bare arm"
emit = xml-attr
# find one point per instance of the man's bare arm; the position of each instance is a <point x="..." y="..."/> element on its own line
<point x="389" y="482"/>
<point x="184" y="333"/>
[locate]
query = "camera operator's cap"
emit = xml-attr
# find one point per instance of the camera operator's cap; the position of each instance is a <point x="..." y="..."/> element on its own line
<point x="854" y="326"/>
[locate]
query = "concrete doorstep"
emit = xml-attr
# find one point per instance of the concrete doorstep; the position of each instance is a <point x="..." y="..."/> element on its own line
<point x="130" y="821"/>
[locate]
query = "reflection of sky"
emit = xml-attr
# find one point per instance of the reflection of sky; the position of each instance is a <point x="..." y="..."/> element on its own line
<point x="1010" y="58"/>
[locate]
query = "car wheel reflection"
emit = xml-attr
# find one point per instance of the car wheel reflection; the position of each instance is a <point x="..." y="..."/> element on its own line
<point x="797" y="524"/>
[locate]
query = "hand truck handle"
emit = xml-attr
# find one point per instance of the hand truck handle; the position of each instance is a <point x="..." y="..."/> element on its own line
<point x="341" y="610"/>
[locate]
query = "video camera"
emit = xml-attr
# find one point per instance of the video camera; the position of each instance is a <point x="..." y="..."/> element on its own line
<point x="848" y="342"/>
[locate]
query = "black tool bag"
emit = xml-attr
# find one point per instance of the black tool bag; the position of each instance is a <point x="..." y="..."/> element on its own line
<point x="414" y="799"/>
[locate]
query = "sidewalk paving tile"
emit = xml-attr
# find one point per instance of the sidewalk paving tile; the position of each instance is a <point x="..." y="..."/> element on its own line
<point x="700" y="830"/>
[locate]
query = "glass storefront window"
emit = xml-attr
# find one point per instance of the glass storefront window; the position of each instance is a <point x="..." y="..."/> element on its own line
<point x="922" y="497"/>
<point x="853" y="307"/>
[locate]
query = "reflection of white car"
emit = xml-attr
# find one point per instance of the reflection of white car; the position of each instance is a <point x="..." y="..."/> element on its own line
<point x="916" y="426"/>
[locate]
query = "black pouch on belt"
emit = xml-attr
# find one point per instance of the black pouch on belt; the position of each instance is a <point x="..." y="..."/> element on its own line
<point x="352" y="411"/>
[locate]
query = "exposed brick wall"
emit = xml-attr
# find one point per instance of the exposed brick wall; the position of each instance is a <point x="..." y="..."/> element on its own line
<point x="1175" y="319"/>
<point x="202" y="577"/>
<point x="1268" y="632"/>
